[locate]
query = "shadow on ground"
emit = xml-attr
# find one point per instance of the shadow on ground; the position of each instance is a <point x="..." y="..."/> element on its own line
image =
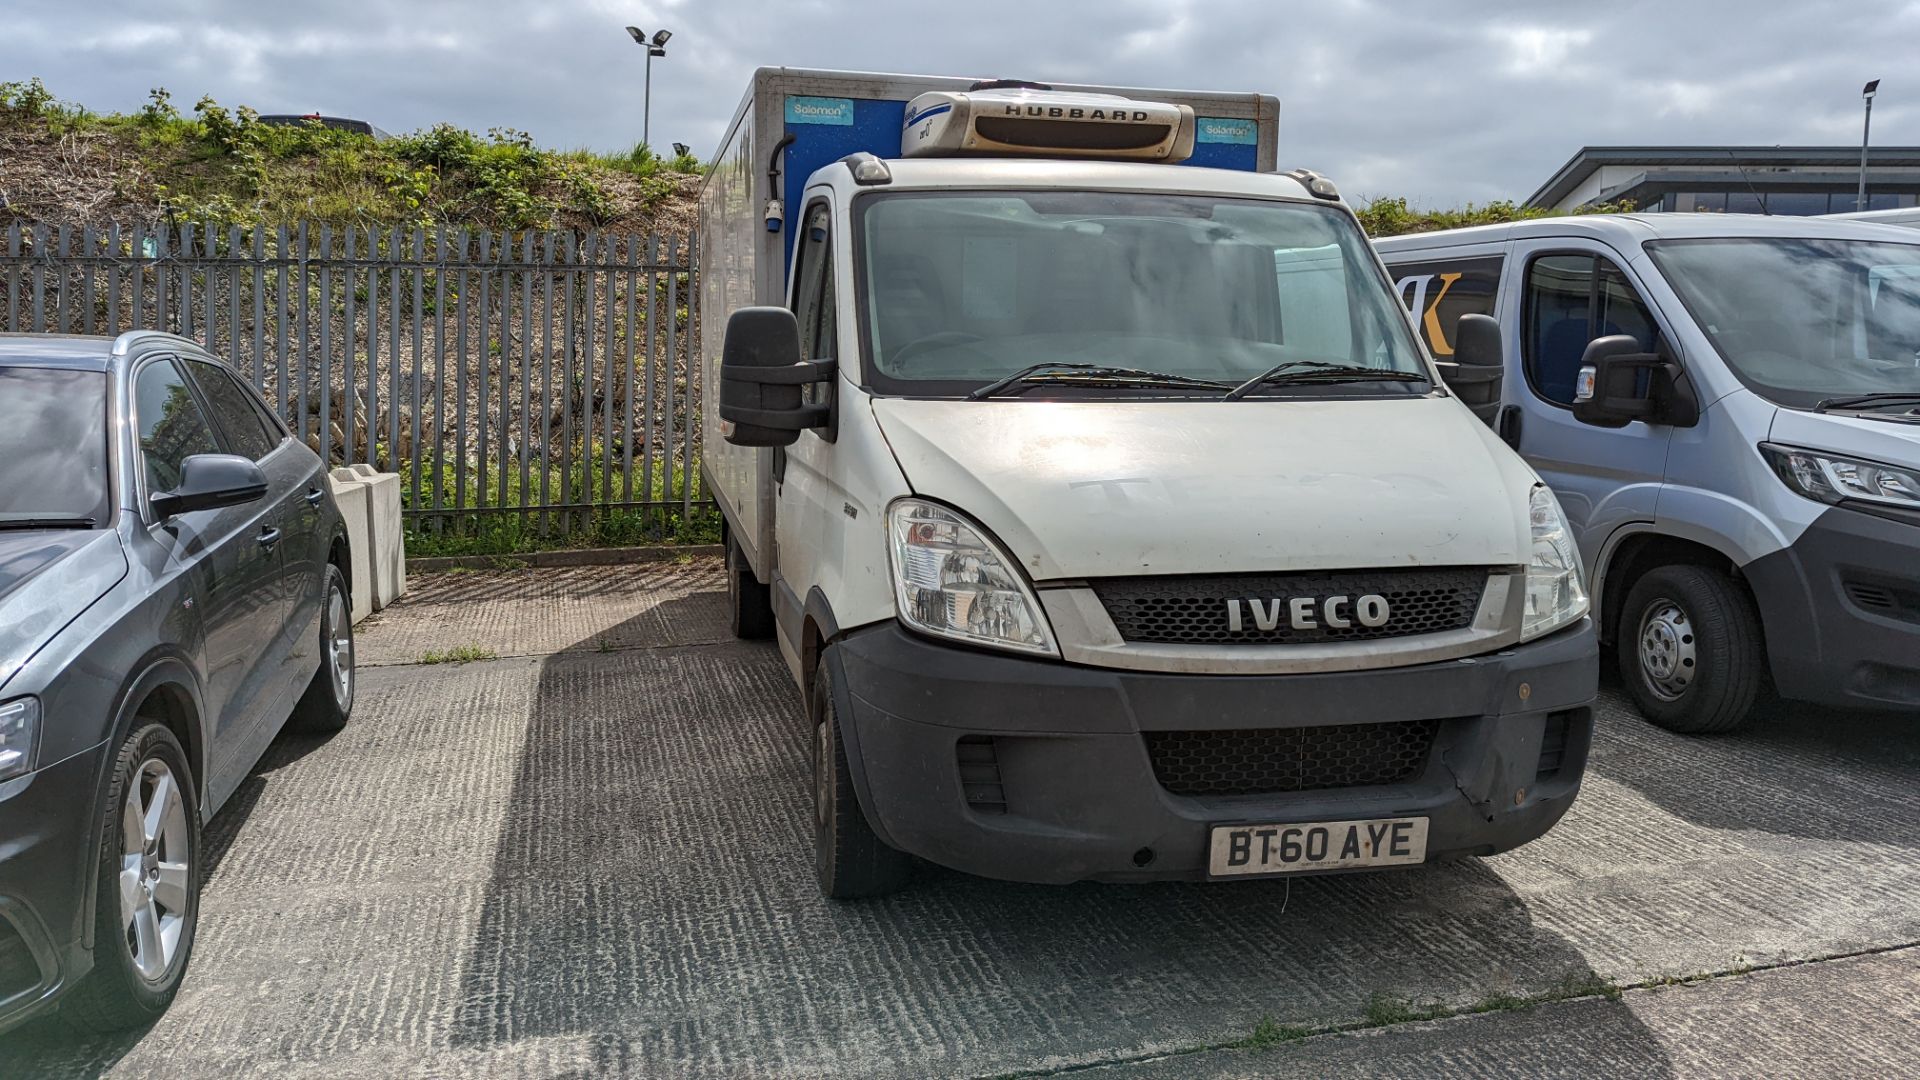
<point x="45" y="1045"/>
<point x="1795" y="770"/>
<point x="652" y="897"/>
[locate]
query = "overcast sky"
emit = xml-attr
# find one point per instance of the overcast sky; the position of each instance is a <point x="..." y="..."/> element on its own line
<point x="1443" y="102"/>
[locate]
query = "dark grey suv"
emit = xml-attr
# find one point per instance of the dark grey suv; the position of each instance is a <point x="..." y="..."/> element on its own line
<point x="173" y="586"/>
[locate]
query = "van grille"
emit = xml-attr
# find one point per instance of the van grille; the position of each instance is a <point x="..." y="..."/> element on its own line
<point x="1266" y="761"/>
<point x="1895" y="603"/>
<point x="1192" y="610"/>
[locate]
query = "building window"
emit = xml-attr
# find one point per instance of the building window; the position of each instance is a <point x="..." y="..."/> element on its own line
<point x="1797" y="203"/>
<point x="1711" y="202"/>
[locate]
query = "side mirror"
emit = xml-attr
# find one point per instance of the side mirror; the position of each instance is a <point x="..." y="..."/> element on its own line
<point x="761" y="376"/>
<point x="208" y="481"/>
<point x="1619" y="382"/>
<point x="1478" y="368"/>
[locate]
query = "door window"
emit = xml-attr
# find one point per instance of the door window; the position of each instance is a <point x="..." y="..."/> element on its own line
<point x="1439" y="292"/>
<point x="172" y="427"/>
<point x="1571" y="300"/>
<point x="813" y="304"/>
<point x="236" y="417"/>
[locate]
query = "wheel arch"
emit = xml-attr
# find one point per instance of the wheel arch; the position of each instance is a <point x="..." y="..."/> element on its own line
<point x="1636" y="549"/>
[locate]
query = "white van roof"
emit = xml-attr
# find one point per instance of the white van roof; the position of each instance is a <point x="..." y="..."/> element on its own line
<point x="1631" y="230"/>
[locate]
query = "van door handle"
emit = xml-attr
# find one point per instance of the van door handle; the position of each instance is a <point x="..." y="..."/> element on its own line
<point x="268" y="537"/>
<point x="314" y="495"/>
<point x="1508" y="427"/>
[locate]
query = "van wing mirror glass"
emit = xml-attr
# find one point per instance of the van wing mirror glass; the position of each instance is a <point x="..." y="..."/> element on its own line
<point x="1478" y="368"/>
<point x="761" y="377"/>
<point x="1619" y="382"/>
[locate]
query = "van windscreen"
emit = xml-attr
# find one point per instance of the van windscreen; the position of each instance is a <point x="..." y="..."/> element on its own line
<point x="962" y="288"/>
<point x="1804" y="320"/>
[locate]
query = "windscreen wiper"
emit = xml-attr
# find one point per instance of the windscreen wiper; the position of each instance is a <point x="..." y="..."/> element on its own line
<point x="1318" y="371"/>
<point x="1096" y="374"/>
<point x="1884" y="398"/>
<point x="47" y="523"/>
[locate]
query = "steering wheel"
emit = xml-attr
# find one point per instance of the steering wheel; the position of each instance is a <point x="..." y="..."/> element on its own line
<point x="943" y="339"/>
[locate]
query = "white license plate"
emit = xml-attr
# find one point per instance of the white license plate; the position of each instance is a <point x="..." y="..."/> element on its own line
<point x="1295" y="846"/>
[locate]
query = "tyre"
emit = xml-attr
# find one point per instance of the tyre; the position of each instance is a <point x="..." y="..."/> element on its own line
<point x="328" y="700"/>
<point x="149" y="887"/>
<point x="1690" y="649"/>
<point x="849" y="861"/>
<point x="749" y="603"/>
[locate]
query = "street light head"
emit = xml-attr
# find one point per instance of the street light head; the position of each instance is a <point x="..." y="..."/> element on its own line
<point x="655" y="50"/>
<point x="638" y="35"/>
<point x="1870" y="89"/>
<point x="660" y="37"/>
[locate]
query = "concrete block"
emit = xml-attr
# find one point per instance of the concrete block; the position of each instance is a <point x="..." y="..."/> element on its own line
<point x="353" y="495"/>
<point x="389" y="549"/>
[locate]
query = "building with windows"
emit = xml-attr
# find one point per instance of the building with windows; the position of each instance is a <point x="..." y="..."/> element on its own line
<point x="1786" y="180"/>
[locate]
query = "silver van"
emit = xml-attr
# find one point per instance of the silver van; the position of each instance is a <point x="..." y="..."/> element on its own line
<point x="1728" y="408"/>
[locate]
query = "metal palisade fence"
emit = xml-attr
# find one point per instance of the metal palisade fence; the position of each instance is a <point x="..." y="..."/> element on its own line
<point x="523" y="384"/>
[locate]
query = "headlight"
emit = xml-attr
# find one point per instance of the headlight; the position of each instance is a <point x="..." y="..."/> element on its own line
<point x="19" y="722"/>
<point x="1830" y="478"/>
<point x="1556" y="595"/>
<point x="951" y="579"/>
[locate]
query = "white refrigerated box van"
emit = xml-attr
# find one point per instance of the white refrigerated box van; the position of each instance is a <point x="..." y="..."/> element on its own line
<point x="1106" y="508"/>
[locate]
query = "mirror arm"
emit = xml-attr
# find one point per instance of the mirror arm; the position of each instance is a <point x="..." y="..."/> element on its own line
<point x="800" y="374"/>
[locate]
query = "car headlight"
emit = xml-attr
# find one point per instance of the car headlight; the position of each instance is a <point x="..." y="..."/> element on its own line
<point x="950" y="578"/>
<point x="19" y="723"/>
<point x="1556" y="595"/>
<point x="1830" y="478"/>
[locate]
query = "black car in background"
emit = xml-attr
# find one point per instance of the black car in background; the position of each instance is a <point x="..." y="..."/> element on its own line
<point x="173" y="586"/>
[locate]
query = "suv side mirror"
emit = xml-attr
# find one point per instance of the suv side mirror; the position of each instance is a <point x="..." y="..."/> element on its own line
<point x="1619" y="382"/>
<point x="760" y="379"/>
<point x="208" y="481"/>
<point x="1478" y="368"/>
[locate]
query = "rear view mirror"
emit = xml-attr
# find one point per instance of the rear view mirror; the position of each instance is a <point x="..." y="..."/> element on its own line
<point x="1478" y="368"/>
<point x="761" y="375"/>
<point x="208" y="481"/>
<point x="1620" y="382"/>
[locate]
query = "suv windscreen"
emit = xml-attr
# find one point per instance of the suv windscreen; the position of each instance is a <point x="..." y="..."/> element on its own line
<point x="1801" y="320"/>
<point x="53" y="447"/>
<point x="959" y="289"/>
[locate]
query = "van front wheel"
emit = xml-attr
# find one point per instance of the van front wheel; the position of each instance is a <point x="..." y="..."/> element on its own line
<point x="850" y="861"/>
<point x="1690" y="649"/>
<point x="749" y="603"/>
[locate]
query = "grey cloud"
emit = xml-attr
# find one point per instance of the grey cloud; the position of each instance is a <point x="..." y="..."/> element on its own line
<point x="1443" y="103"/>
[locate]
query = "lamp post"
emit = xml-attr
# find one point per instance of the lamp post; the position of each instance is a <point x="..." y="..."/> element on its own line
<point x="655" y="46"/>
<point x="1866" y="129"/>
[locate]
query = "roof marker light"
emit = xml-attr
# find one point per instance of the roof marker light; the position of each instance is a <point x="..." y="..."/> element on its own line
<point x="868" y="170"/>
<point x="1318" y="186"/>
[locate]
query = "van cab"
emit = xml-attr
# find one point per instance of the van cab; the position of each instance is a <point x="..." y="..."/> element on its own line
<point x="1108" y="513"/>
<point x="1728" y="408"/>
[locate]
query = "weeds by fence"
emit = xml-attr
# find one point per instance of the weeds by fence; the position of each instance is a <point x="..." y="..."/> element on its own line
<point x="535" y="388"/>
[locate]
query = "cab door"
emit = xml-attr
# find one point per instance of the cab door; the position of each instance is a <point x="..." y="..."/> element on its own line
<point x="1562" y="294"/>
<point x="248" y="429"/>
<point x="230" y="559"/>
<point x="808" y="495"/>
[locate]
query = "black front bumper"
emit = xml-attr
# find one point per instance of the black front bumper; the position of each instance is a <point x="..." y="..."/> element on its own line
<point x="48" y="841"/>
<point x="1840" y="609"/>
<point x="1080" y="795"/>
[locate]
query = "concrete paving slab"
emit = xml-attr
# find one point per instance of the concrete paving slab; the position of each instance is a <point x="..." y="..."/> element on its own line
<point x="1855" y="1016"/>
<point x="595" y="860"/>
<point x="536" y="612"/>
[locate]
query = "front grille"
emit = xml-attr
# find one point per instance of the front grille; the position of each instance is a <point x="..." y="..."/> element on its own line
<point x="18" y="971"/>
<point x="1887" y="600"/>
<point x="1193" y="610"/>
<point x="1266" y="761"/>
<point x="980" y="774"/>
<point x="1553" y="744"/>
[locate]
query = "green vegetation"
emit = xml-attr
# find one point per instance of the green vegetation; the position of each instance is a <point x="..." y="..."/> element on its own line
<point x="459" y="654"/>
<point x="1269" y="1032"/>
<point x="511" y="531"/>
<point x="225" y="166"/>
<point x="1393" y="217"/>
